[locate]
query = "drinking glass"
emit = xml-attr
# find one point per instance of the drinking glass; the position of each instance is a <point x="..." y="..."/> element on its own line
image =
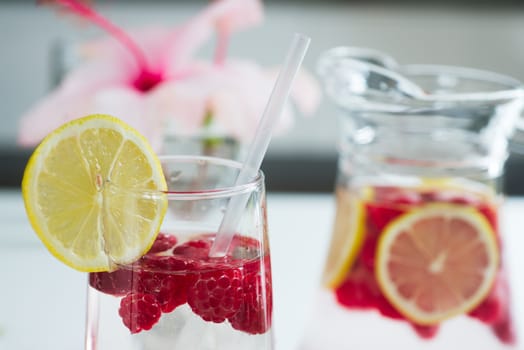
<point x="417" y="257"/>
<point x="176" y="296"/>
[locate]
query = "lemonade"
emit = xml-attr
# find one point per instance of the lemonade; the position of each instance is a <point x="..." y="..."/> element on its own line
<point x="427" y="268"/>
<point x="176" y="296"/>
<point x="417" y="258"/>
<point x="143" y="228"/>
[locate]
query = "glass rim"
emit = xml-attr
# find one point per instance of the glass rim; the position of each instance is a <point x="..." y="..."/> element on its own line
<point x="509" y="86"/>
<point x="221" y="192"/>
<point x="215" y="193"/>
<point x="385" y="65"/>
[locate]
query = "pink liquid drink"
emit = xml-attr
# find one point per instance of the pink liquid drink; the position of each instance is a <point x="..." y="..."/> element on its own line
<point x="176" y="295"/>
<point x="355" y="298"/>
<point x="417" y="258"/>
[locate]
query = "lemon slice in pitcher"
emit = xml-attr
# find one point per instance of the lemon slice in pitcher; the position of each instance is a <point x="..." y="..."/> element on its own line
<point x="347" y="239"/>
<point x="83" y="192"/>
<point x="436" y="262"/>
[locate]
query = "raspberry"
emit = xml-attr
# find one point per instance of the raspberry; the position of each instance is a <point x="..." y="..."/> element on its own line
<point x="195" y="249"/>
<point x="381" y="215"/>
<point x="386" y="309"/>
<point x="162" y="243"/>
<point x="426" y="332"/>
<point x="355" y="294"/>
<point x="166" y="278"/>
<point x="495" y="306"/>
<point x="123" y="281"/>
<point x="504" y="330"/>
<point x="368" y="251"/>
<point x="378" y="217"/>
<point x="117" y="283"/>
<point x="241" y="248"/>
<point x="491" y="309"/>
<point x="244" y="248"/>
<point x="216" y="294"/>
<point x="359" y="290"/>
<point x="165" y="263"/>
<point x="173" y="292"/>
<point x="169" y="290"/>
<point x="490" y="213"/>
<point x="254" y="314"/>
<point x="139" y="311"/>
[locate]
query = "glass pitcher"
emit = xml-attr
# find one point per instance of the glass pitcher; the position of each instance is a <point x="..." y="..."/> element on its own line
<point x="417" y="257"/>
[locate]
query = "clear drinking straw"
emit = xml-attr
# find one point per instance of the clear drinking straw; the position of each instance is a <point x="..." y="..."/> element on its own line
<point x="258" y="148"/>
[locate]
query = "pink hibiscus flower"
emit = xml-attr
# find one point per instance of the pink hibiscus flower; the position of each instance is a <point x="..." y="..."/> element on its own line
<point x="151" y="79"/>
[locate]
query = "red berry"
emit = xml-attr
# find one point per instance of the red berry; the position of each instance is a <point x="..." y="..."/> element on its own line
<point x="139" y="311"/>
<point x="490" y="212"/>
<point x="491" y="309"/>
<point x="117" y="283"/>
<point x="244" y="248"/>
<point x="488" y="311"/>
<point x="386" y="309"/>
<point x="381" y="214"/>
<point x="216" y="294"/>
<point x="504" y="330"/>
<point x="359" y="290"/>
<point x="173" y="292"/>
<point x="124" y="280"/>
<point x="162" y="243"/>
<point x="169" y="290"/>
<point x="165" y="263"/>
<point x="368" y="251"/>
<point x="167" y="278"/>
<point x="254" y="314"/>
<point x="426" y="332"/>
<point x="495" y="305"/>
<point x="355" y="294"/>
<point x="195" y="249"/>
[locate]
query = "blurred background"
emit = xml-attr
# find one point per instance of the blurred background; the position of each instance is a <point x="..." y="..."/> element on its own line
<point x="487" y="35"/>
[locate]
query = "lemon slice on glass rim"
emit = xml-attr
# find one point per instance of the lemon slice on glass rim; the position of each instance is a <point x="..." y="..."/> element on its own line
<point x="84" y="193"/>
<point x="436" y="262"/>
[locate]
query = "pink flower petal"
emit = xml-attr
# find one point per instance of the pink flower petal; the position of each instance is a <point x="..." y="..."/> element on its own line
<point x="168" y="49"/>
<point x="229" y="15"/>
<point x="235" y="95"/>
<point x="248" y="82"/>
<point x="152" y="41"/>
<point x="183" y="105"/>
<point x="71" y="100"/>
<point x="230" y="115"/>
<point x="234" y="15"/>
<point x="47" y="115"/>
<point x="305" y="93"/>
<point x="121" y="102"/>
<point x="92" y="75"/>
<point x="143" y="112"/>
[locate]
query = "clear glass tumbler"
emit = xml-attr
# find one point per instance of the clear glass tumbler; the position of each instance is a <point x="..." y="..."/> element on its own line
<point x="417" y="255"/>
<point x="176" y="296"/>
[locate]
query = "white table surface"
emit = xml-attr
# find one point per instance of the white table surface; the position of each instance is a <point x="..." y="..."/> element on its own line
<point x="42" y="302"/>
